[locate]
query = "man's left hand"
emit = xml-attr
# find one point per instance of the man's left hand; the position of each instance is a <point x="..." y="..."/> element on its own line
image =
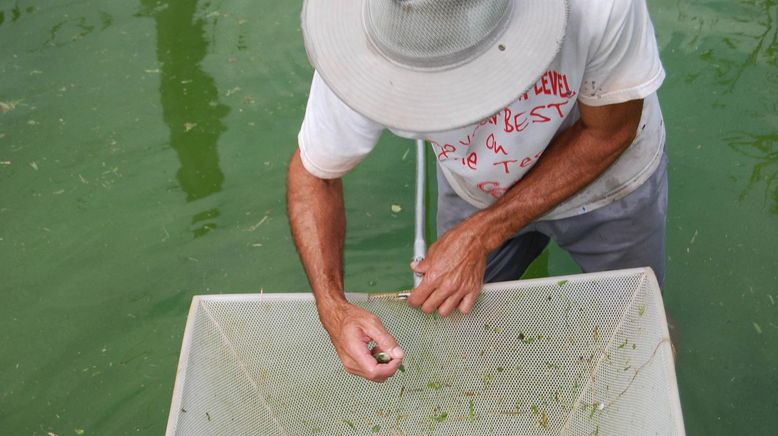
<point x="453" y="272"/>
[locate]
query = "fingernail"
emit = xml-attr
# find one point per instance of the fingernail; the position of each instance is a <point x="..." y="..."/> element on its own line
<point x="397" y="353"/>
<point x="414" y="264"/>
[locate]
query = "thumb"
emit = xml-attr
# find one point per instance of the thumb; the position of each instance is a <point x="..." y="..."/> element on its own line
<point x="385" y="342"/>
<point x="420" y="267"/>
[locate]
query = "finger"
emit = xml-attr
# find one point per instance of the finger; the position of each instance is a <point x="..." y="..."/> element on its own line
<point x="466" y="305"/>
<point x="384" y="341"/>
<point x="451" y="303"/>
<point x="435" y="299"/>
<point x="420" y="267"/>
<point x="420" y="294"/>
<point x="377" y="372"/>
<point x="363" y="364"/>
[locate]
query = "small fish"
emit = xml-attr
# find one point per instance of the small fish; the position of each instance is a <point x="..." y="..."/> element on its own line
<point x="382" y="357"/>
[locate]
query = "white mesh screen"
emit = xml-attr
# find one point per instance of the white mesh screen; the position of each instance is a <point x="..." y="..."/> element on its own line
<point x="427" y="32"/>
<point x="581" y="355"/>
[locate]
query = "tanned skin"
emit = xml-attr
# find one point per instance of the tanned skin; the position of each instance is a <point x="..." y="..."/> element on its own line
<point x="455" y="264"/>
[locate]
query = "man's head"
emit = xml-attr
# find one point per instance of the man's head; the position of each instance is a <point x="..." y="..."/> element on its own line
<point x="431" y="65"/>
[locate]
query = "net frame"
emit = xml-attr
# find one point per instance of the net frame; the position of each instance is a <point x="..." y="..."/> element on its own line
<point x="644" y="299"/>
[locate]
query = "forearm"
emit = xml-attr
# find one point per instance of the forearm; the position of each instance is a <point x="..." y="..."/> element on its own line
<point x="575" y="159"/>
<point x="318" y="222"/>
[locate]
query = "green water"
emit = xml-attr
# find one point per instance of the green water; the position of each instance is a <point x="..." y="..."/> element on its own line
<point x="143" y="150"/>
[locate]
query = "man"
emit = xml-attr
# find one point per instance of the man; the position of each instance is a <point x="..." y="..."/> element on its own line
<point x="545" y="122"/>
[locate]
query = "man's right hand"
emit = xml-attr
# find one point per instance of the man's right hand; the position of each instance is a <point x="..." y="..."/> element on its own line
<point x="351" y="330"/>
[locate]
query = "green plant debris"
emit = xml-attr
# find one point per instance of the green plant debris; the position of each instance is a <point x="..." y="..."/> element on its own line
<point x="441" y="417"/>
<point x="594" y="410"/>
<point x="208" y="415"/>
<point x="634" y="346"/>
<point x="543" y="420"/>
<point x="500" y="369"/>
<point x="527" y="340"/>
<point x="596" y="333"/>
<point x="435" y="385"/>
<point x="316" y="430"/>
<point x="562" y="282"/>
<point x="757" y="328"/>
<point x="402" y="392"/>
<point x="376" y="428"/>
<point x="487" y="379"/>
<point x="433" y="316"/>
<point x="627" y="368"/>
<point x="79" y="431"/>
<point x="471" y="412"/>
<point x="350" y="424"/>
<point x="535" y="409"/>
<point x="550" y="365"/>
<point x="402" y="368"/>
<point x="624" y="344"/>
<point x="490" y="328"/>
<point x="642" y="310"/>
<point x="597" y="431"/>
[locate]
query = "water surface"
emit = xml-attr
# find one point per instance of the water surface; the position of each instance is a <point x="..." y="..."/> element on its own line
<point x="143" y="150"/>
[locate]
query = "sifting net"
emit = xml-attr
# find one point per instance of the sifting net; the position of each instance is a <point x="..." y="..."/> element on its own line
<point x="579" y="355"/>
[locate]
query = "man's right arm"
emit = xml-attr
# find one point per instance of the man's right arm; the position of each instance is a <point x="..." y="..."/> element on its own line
<point x="318" y="221"/>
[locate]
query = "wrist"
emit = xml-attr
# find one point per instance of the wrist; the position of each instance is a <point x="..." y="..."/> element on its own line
<point x="488" y="231"/>
<point x="331" y="311"/>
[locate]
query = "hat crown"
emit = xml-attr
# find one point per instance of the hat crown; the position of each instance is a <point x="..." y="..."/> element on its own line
<point x="434" y="33"/>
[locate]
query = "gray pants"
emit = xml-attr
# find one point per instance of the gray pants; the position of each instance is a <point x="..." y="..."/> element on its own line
<point x="627" y="233"/>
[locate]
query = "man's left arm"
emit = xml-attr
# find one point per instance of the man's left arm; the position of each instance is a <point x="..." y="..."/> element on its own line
<point x="455" y="264"/>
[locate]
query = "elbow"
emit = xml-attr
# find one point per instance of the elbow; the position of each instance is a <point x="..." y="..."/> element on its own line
<point x="300" y="179"/>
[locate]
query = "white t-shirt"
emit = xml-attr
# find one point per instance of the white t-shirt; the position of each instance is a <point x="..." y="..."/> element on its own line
<point x="609" y="55"/>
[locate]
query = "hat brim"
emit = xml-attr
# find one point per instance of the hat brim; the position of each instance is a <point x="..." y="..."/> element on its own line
<point x="418" y="100"/>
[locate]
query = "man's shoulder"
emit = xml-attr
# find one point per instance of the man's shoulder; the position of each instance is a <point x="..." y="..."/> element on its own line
<point x="596" y="15"/>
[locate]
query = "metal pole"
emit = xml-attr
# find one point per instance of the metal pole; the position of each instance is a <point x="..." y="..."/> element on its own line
<point x="419" y="243"/>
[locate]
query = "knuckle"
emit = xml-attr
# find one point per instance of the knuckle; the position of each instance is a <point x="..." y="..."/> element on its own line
<point x="371" y="373"/>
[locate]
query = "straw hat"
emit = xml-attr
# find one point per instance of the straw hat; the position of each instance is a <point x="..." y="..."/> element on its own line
<point x="431" y="65"/>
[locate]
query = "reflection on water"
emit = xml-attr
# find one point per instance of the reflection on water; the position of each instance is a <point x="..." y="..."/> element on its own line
<point x="764" y="49"/>
<point x="16" y="13"/>
<point x="69" y="30"/>
<point x="734" y="37"/>
<point x="764" y="149"/>
<point x="189" y="102"/>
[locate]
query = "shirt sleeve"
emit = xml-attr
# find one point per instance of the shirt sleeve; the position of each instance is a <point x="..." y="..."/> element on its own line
<point x="625" y="64"/>
<point x="333" y="138"/>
